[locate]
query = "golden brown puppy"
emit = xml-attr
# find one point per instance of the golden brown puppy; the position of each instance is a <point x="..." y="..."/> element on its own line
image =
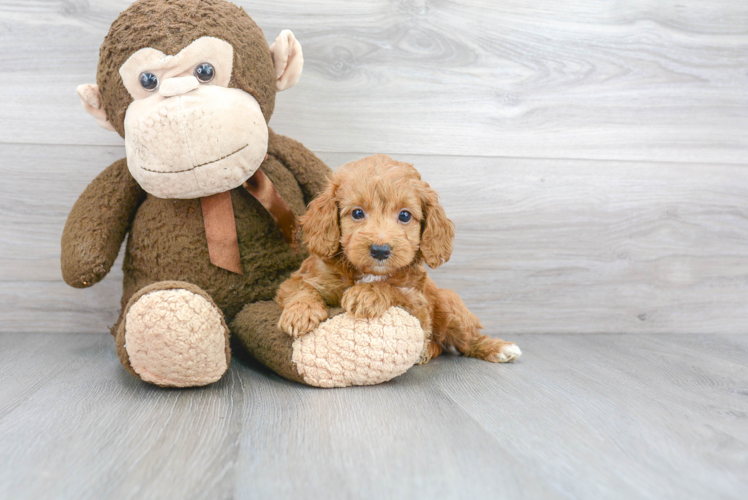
<point x="369" y="234"/>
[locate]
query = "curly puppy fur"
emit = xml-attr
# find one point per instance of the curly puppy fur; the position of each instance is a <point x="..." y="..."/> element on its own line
<point x="369" y="234"/>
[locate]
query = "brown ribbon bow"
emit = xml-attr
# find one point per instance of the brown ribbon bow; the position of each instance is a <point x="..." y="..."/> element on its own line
<point x="220" y="226"/>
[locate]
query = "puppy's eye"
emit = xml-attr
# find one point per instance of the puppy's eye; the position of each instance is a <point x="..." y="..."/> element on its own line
<point x="149" y="81"/>
<point x="404" y="216"/>
<point x="357" y="214"/>
<point x="205" y="72"/>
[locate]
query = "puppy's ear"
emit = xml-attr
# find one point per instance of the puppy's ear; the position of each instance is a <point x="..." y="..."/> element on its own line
<point x="438" y="231"/>
<point x="320" y="224"/>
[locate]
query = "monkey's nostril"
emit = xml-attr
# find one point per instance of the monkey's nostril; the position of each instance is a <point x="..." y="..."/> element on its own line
<point x="380" y="252"/>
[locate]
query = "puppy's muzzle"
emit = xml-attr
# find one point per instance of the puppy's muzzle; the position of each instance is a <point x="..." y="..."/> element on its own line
<point x="380" y="252"/>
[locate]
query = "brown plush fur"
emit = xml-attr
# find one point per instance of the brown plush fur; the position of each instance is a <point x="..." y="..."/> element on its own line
<point x="113" y="205"/>
<point x="255" y="331"/>
<point x="336" y="272"/>
<point x="167" y="237"/>
<point x="169" y="26"/>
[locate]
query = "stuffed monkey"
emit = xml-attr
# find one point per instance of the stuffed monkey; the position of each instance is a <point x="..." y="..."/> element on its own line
<point x="207" y="197"/>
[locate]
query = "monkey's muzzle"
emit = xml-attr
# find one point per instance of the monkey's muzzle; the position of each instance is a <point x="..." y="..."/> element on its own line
<point x="195" y="144"/>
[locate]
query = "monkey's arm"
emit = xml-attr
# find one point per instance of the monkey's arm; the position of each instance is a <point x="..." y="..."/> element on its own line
<point x="311" y="173"/>
<point x="97" y="225"/>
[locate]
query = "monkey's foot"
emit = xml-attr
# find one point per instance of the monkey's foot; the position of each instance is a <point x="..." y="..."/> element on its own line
<point x="340" y="352"/>
<point x="173" y="335"/>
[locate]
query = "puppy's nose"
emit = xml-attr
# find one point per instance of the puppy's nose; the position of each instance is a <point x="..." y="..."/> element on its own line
<point x="380" y="252"/>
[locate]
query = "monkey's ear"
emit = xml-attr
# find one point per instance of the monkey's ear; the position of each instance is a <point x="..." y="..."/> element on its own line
<point x="91" y="101"/>
<point x="288" y="60"/>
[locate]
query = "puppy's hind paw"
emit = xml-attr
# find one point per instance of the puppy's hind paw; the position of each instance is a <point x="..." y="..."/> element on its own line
<point x="505" y="353"/>
<point x="429" y="352"/>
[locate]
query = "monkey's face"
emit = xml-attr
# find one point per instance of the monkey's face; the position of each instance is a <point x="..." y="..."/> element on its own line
<point x="190" y="86"/>
<point x="187" y="134"/>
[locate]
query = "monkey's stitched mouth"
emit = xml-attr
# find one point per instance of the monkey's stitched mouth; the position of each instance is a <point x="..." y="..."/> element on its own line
<point x="196" y="166"/>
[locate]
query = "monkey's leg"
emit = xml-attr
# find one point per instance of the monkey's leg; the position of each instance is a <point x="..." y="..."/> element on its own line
<point x="172" y="334"/>
<point x="340" y="352"/>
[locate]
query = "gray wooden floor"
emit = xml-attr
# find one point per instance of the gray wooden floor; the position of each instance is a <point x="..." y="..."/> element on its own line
<point x="577" y="417"/>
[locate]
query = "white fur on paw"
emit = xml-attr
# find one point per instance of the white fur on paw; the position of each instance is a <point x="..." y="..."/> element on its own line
<point x="176" y="338"/>
<point x="345" y="351"/>
<point x="507" y="353"/>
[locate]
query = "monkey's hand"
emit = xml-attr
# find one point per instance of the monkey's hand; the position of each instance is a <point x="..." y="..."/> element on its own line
<point x="300" y="317"/>
<point x="369" y="300"/>
<point x="97" y="225"/>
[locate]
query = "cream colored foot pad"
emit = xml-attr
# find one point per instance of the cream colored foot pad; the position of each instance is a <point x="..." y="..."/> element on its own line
<point x="176" y="338"/>
<point x="344" y="351"/>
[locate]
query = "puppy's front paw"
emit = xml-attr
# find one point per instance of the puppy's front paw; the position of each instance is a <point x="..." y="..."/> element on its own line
<point x="366" y="301"/>
<point x="300" y="318"/>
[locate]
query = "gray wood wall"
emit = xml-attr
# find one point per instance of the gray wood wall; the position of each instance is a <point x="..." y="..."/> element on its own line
<point x="592" y="154"/>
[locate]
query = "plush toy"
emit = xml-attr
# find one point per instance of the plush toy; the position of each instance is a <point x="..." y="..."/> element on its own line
<point x="208" y="196"/>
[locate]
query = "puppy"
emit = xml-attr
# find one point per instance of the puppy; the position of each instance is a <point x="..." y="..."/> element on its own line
<point x="369" y="234"/>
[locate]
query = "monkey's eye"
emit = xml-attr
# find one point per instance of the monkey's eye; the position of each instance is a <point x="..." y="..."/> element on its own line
<point x="357" y="214"/>
<point x="404" y="216"/>
<point x="205" y="72"/>
<point x="149" y="81"/>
